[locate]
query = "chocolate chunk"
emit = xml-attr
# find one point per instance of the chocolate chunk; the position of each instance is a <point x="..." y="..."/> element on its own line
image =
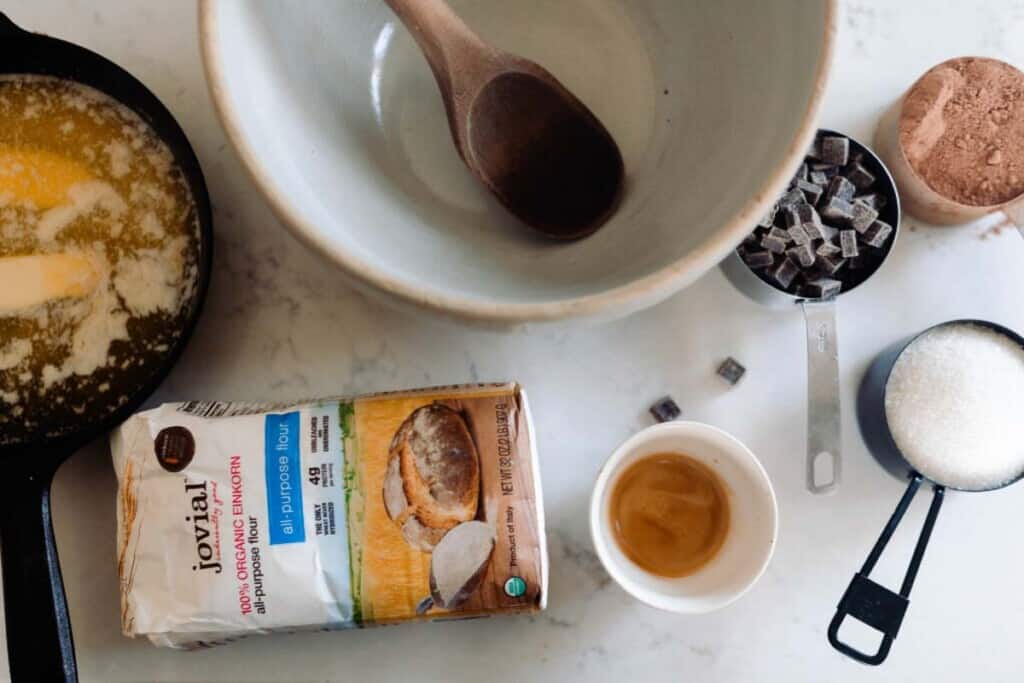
<point x="798" y="235"/>
<point x="803" y="254"/>
<point x="665" y="409"/>
<point x="811" y="191"/>
<point x="773" y="244"/>
<point x="818" y="178"/>
<point x="814" y="231"/>
<point x="859" y="176"/>
<point x="731" y="371"/>
<point x="757" y="259"/>
<point x="833" y="150"/>
<point x="780" y="234"/>
<point x="801" y="173"/>
<point x="841" y="188"/>
<point x="822" y="288"/>
<point x="785" y="273"/>
<point x="751" y="239"/>
<point x="829" y="232"/>
<point x="768" y="219"/>
<point x="875" y="200"/>
<point x="863" y="216"/>
<point x="830" y="265"/>
<point x="828" y="170"/>
<point x="828" y="249"/>
<point x="837" y="210"/>
<point x="848" y="243"/>
<point x="793" y="196"/>
<point x="877" y="234"/>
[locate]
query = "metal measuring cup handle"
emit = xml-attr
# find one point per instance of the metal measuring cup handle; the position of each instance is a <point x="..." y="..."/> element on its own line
<point x="824" y="426"/>
<point x="873" y="604"/>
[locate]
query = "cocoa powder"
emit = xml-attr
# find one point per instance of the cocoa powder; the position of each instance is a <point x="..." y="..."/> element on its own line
<point x="962" y="130"/>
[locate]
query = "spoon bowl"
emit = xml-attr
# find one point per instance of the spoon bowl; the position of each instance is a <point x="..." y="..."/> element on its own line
<point x="542" y="153"/>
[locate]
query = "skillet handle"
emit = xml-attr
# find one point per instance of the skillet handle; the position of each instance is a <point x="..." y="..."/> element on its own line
<point x="39" y="645"/>
<point x="873" y="604"/>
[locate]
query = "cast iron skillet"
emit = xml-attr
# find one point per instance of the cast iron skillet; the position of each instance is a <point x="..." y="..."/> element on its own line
<point x="39" y="645"/>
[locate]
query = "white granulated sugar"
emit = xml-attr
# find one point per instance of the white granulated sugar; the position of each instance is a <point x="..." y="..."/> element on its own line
<point x="953" y="403"/>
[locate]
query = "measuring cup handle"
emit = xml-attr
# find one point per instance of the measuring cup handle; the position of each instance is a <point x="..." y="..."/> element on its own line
<point x="39" y="645"/>
<point x="824" y="433"/>
<point x="873" y="604"/>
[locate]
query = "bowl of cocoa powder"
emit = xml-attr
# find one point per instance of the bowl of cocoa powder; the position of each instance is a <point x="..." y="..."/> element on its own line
<point x="955" y="141"/>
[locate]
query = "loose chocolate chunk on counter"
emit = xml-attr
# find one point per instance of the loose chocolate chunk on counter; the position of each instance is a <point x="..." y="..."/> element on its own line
<point x="834" y="150"/>
<point x="827" y="249"/>
<point x="758" y="259"/>
<point x="798" y="235"/>
<point x="848" y="243"/>
<point x="802" y="254"/>
<point x="863" y="216"/>
<point x="785" y="273"/>
<point x="665" y="409"/>
<point x="822" y="288"/>
<point x="836" y="209"/>
<point x="841" y="188"/>
<point x="877" y="234"/>
<point x="731" y="371"/>
<point x="861" y="177"/>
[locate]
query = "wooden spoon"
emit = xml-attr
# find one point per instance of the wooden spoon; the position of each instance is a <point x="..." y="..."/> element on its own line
<point x="542" y="153"/>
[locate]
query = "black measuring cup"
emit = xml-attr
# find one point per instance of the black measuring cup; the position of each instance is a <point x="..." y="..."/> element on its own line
<point x="39" y="644"/>
<point x="864" y="600"/>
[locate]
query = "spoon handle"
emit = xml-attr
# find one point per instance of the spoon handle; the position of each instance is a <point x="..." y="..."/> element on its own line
<point x="446" y="41"/>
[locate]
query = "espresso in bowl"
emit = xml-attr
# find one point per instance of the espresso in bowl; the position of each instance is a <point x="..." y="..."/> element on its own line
<point x="683" y="517"/>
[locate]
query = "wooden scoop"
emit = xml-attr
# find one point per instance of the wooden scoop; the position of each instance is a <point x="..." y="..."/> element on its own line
<point x="542" y="153"/>
<point x="30" y="280"/>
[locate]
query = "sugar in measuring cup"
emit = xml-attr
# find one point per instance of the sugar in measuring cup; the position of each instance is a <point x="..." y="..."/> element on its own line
<point x="831" y="232"/>
<point x="939" y="407"/>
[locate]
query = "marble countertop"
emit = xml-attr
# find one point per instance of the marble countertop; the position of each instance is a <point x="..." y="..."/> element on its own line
<point x="282" y="323"/>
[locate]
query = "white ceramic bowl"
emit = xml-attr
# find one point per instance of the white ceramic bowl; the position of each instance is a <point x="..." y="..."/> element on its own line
<point x="334" y="111"/>
<point x="753" y="521"/>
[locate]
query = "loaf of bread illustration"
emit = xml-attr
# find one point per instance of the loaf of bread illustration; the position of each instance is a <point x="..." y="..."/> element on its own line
<point x="432" y="481"/>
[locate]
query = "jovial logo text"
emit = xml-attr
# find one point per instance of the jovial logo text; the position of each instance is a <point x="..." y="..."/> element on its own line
<point x="284" y="478"/>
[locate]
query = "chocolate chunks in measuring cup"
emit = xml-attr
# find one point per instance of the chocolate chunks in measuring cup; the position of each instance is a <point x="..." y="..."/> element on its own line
<point x="824" y="234"/>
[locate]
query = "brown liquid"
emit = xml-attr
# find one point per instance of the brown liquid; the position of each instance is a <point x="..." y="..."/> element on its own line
<point x="670" y="514"/>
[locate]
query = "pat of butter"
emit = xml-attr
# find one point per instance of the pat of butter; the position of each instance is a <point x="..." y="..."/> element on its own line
<point x="31" y="280"/>
<point x="38" y="177"/>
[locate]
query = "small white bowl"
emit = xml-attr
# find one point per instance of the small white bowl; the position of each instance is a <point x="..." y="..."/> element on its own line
<point x="753" y="527"/>
<point x="333" y="110"/>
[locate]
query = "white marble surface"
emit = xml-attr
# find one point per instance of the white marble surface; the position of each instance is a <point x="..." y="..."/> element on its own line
<point x="281" y="323"/>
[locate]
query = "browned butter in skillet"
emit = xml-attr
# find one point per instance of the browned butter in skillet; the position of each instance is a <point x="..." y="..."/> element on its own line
<point x="98" y="243"/>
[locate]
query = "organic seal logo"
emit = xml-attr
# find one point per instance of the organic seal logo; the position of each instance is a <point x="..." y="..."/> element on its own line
<point x="174" y="448"/>
<point x="515" y="587"/>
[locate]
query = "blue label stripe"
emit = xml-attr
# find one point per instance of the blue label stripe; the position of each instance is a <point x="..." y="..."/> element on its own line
<point x="284" y="478"/>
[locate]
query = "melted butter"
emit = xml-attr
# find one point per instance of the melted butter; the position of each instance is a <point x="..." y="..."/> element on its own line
<point x="99" y="229"/>
<point x="670" y="514"/>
